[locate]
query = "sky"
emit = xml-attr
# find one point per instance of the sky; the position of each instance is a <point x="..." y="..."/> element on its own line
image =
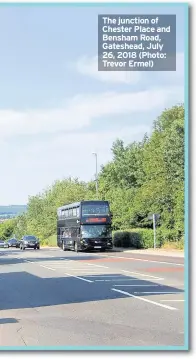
<point x="56" y="108"/>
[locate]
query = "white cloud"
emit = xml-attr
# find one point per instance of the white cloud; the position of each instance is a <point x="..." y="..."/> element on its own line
<point x="68" y="151"/>
<point x="36" y="166"/>
<point x="89" y="66"/>
<point x="81" y="110"/>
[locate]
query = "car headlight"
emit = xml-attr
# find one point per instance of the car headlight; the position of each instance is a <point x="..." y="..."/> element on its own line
<point x="25" y="242"/>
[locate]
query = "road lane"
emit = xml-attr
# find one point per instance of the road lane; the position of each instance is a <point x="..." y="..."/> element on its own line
<point x="58" y="298"/>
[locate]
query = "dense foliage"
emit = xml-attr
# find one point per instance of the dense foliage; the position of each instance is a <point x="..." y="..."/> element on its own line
<point x="143" y="178"/>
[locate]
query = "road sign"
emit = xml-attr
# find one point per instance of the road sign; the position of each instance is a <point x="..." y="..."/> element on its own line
<point x="157" y="216"/>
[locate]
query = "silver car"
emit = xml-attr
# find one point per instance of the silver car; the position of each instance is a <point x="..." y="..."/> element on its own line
<point x="3" y="244"/>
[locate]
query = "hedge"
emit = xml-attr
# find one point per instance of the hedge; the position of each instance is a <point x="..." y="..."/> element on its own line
<point x="137" y="238"/>
<point x="144" y="238"/>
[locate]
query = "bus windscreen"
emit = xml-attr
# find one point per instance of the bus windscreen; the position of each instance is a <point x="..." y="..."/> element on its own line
<point x="93" y="231"/>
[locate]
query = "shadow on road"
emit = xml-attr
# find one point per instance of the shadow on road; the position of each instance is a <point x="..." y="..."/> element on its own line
<point x="8" y="320"/>
<point x="5" y="259"/>
<point x="69" y="255"/>
<point x="24" y="290"/>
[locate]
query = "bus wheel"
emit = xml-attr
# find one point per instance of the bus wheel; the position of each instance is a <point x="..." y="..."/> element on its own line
<point x="63" y="246"/>
<point x="76" y="247"/>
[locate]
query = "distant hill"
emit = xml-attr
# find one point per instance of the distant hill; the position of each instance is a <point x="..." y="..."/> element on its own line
<point x="12" y="210"/>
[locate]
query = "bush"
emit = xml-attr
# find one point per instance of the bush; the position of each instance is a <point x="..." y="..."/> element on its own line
<point x="144" y="238"/>
<point x="165" y="235"/>
<point x="44" y="242"/>
<point x="50" y="241"/>
<point x="136" y="238"/>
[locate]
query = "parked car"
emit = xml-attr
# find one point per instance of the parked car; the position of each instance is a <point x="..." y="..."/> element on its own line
<point x="13" y="242"/>
<point x="29" y="241"/>
<point x="3" y="244"/>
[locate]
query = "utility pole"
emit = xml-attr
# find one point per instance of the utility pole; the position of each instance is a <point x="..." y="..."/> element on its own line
<point x="96" y="174"/>
<point x="154" y="227"/>
<point x="154" y="217"/>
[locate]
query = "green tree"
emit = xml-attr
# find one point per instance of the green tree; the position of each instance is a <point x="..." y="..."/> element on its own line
<point x="7" y="229"/>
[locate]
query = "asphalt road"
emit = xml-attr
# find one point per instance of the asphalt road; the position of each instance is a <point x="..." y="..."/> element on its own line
<point x="50" y="298"/>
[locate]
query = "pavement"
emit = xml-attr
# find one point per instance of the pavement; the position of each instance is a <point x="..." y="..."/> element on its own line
<point x="156" y="251"/>
<point x="55" y="299"/>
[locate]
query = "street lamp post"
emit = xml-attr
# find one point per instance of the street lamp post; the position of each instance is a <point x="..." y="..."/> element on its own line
<point x="96" y="176"/>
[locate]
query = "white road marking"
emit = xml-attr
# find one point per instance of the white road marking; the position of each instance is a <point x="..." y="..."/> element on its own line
<point x="105" y="276"/>
<point x="114" y="280"/>
<point x="172" y="300"/>
<point x="96" y="265"/>
<point x="142" y="260"/>
<point x="85" y="280"/>
<point x="144" y="299"/>
<point x="85" y="269"/>
<point x="157" y="292"/>
<point x="84" y="273"/>
<point x="141" y="274"/>
<point x="46" y="267"/>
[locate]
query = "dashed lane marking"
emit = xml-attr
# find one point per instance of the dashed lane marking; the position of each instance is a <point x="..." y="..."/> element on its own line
<point x="105" y="276"/>
<point x="114" y="280"/>
<point x="95" y="265"/>
<point x="40" y="265"/>
<point x="144" y="299"/>
<point x="119" y="280"/>
<point x="73" y="276"/>
<point x="160" y="292"/>
<point x="141" y="274"/>
<point x="67" y="274"/>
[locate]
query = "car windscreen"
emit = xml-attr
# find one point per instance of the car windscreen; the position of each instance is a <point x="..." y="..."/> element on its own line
<point x="30" y="238"/>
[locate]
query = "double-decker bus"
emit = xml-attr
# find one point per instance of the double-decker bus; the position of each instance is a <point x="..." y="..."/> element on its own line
<point x="84" y="225"/>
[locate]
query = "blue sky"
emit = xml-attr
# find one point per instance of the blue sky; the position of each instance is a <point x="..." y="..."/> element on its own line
<point x="56" y="108"/>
